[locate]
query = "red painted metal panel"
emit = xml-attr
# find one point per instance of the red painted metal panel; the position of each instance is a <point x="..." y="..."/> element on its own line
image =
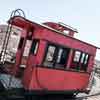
<point x="91" y="64"/>
<point x="51" y="79"/>
<point x="24" y="23"/>
<point x="66" y="41"/>
<point x="33" y="60"/>
<point x="44" y="78"/>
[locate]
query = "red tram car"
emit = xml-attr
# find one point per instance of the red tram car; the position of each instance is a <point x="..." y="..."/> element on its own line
<point x="55" y="62"/>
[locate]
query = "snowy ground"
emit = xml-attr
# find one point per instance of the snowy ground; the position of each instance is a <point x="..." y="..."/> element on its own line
<point x="95" y="89"/>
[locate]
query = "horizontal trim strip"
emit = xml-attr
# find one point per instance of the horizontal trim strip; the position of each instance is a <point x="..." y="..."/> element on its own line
<point x="71" y="70"/>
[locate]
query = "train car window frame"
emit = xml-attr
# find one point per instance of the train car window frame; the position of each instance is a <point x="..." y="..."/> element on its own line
<point x="77" y="55"/>
<point x="34" y="47"/>
<point x="49" y="56"/>
<point x="57" y="56"/>
<point x="62" y="57"/>
<point x="81" y="63"/>
<point x="83" y="57"/>
<point x="27" y="48"/>
<point x="85" y="63"/>
<point x="86" y="59"/>
<point x="50" y="53"/>
<point x="21" y="43"/>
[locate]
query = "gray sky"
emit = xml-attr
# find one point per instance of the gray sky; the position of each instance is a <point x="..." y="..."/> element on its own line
<point x="81" y="14"/>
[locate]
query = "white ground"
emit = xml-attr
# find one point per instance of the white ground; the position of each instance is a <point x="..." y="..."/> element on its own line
<point x="95" y="89"/>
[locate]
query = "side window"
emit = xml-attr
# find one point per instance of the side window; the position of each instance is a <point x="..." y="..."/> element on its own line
<point x="84" y="63"/>
<point x="21" y="43"/>
<point x="82" y="58"/>
<point x="59" y="55"/>
<point x="49" y="55"/>
<point x="77" y="55"/>
<point x="63" y="54"/>
<point x="34" y="47"/>
<point x="86" y="59"/>
<point x="80" y="61"/>
<point x="27" y="48"/>
<point x="56" y="56"/>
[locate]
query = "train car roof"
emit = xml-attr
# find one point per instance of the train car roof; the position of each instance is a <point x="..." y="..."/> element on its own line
<point x="21" y="21"/>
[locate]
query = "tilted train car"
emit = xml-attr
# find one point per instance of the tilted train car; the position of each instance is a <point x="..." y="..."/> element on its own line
<point x="49" y="60"/>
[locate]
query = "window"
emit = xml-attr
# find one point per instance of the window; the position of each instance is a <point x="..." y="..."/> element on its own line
<point x="62" y="56"/>
<point x="50" y="56"/>
<point x="84" y="64"/>
<point x="82" y="58"/>
<point x="27" y="48"/>
<point x="80" y="61"/>
<point x="59" y="55"/>
<point x="66" y="32"/>
<point x="21" y="43"/>
<point x="26" y="53"/>
<point x="86" y="59"/>
<point x="34" y="46"/>
<point x="56" y="56"/>
<point x="77" y="56"/>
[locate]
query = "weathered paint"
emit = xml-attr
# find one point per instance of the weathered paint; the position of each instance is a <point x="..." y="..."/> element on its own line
<point x="37" y="78"/>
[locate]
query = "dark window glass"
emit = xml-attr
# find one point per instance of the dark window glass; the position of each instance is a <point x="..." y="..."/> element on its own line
<point x="59" y="56"/>
<point x="34" y="46"/>
<point x="56" y="56"/>
<point x="62" y="57"/>
<point x="85" y="62"/>
<point x="86" y="59"/>
<point x="80" y="61"/>
<point x="82" y="58"/>
<point x="77" y="56"/>
<point x="50" y="56"/>
<point x="21" y="43"/>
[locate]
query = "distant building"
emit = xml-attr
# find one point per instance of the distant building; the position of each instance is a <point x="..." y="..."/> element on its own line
<point x="15" y="36"/>
<point x="97" y="67"/>
<point x="12" y="43"/>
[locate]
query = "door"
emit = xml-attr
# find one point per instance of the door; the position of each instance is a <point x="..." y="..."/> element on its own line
<point x="23" y="52"/>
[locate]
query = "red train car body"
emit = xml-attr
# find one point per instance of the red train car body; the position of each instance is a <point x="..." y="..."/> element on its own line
<point x="55" y="62"/>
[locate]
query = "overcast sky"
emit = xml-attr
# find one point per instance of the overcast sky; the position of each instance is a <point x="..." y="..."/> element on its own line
<point x="81" y="14"/>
